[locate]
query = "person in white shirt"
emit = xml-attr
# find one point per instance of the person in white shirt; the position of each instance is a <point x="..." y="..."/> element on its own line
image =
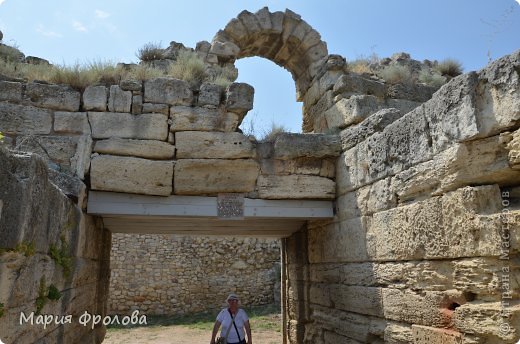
<point x="233" y="320"/>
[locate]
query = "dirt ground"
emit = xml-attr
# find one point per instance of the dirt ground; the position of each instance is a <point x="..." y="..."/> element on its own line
<point x="178" y="334"/>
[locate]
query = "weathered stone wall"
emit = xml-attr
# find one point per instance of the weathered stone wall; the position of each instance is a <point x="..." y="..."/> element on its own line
<point x="48" y="243"/>
<point x="165" y="274"/>
<point x="161" y="137"/>
<point x="424" y="246"/>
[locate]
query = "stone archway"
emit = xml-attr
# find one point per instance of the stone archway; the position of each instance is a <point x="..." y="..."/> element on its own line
<point x="282" y="37"/>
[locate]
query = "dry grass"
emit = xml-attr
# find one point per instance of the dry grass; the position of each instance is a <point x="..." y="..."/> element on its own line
<point x="360" y="66"/>
<point x="10" y="54"/>
<point x="449" y="67"/>
<point x="188" y="67"/>
<point x="431" y="79"/>
<point x="396" y="74"/>
<point x="150" y="51"/>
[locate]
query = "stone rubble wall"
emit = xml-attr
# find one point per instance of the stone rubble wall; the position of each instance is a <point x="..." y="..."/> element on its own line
<point x="424" y="247"/>
<point x="47" y="240"/>
<point x="174" y="275"/>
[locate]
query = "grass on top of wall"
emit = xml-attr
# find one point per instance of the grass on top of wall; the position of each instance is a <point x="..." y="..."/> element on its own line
<point x="188" y="66"/>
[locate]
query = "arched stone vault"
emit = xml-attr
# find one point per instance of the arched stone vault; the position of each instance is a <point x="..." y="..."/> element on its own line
<point x="282" y="37"/>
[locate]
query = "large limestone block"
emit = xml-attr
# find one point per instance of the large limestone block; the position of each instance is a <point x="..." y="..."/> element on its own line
<point x="156" y="108"/>
<point x="210" y="94"/>
<point x="71" y="122"/>
<point x="186" y="118"/>
<point x="351" y="84"/>
<point x="432" y="335"/>
<point x="353" y="110"/>
<point x="430" y="308"/>
<point x="34" y="210"/>
<point x="239" y="98"/>
<point x="148" y="149"/>
<point x="216" y="145"/>
<point x="119" y="100"/>
<point x="353" y="135"/>
<point x="289" y="146"/>
<point x="402" y="144"/>
<point x="498" y="95"/>
<point x="10" y="91"/>
<point x="311" y="166"/>
<point x="23" y="119"/>
<point x="498" y="321"/>
<point x="131" y="175"/>
<point x="56" y="97"/>
<point x="167" y="91"/>
<point x="124" y="125"/>
<point x="361" y="300"/>
<point x="210" y="176"/>
<point x="476" y="162"/>
<point x="296" y="187"/>
<point x="339" y="242"/>
<point x="514" y="151"/>
<point x="450" y="226"/>
<point x="58" y="149"/>
<point x="95" y="98"/>
<point x="415" y="92"/>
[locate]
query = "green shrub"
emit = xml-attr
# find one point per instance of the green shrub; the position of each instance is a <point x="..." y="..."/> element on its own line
<point x="431" y="78"/>
<point x="27" y="249"/>
<point x="150" y="51"/>
<point x="53" y="293"/>
<point x="1" y="309"/>
<point x="396" y="74"/>
<point x="188" y="67"/>
<point x="449" y="67"/>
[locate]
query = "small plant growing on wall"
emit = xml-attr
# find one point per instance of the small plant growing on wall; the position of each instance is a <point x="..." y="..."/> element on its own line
<point x="53" y="293"/>
<point x="46" y="293"/>
<point x="41" y="300"/>
<point x="61" y="256"/>
<point x="1" y="309"/>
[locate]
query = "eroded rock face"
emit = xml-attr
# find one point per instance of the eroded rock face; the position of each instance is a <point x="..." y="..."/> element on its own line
<point x="41" y="211"/>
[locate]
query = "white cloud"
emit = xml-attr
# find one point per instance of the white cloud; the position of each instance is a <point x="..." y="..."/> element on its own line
<point x="515" y="0"/>
<point x="47" y="33"/>
<point x="78" y="26"/>
<point x="103" y="15"/>
<point x="1" y="2"/>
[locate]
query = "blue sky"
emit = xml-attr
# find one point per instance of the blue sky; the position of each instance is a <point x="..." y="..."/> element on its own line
<point x="68" y="31"/>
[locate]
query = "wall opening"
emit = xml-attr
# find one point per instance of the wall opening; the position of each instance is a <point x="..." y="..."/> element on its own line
<point x="275" y="103"/>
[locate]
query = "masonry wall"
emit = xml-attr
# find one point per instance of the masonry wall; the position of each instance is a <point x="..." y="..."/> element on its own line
<point x="424" y="246"/>
<point x="166" y="274"/>
<point x="48" y="243"/>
